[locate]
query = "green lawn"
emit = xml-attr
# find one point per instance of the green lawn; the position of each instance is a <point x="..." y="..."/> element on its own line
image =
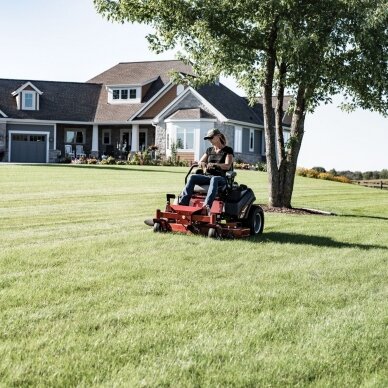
<point x="90" y="296"/>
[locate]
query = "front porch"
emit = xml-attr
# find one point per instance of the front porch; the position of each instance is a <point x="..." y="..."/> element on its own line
<point x="103" y="140"/>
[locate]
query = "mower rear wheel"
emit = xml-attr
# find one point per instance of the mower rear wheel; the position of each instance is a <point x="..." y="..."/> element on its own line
<point x="255" y="220"/>
<point x="157" y="227"/>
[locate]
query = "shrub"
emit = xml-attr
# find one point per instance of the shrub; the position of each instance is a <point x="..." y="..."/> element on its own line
<point x="81" y="160"/>
<point x="261" y="166"/>
<point x="312" y="173"/>
<point x="109" y="160"/>
<point x="319" y="169"/>
<point x="301" y="171"/>
<point x="242" y="166"/>
<point x="342" y="179"/>
<point x="326" y="176"/>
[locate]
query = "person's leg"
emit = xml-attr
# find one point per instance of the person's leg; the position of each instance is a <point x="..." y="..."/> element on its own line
<point x="187" y="192"/>
<point x="215" y="183"/>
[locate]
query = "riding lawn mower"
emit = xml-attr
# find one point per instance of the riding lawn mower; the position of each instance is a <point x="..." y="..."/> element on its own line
<point x="233" y="213"/>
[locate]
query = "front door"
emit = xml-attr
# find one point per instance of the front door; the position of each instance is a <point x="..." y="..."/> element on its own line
<point x="126" y="141"/>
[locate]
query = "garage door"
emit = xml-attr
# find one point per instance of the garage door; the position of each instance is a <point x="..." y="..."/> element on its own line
<point x="28" y="148"/>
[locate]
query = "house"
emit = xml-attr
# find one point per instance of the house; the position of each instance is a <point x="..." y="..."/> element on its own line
<point x="125" y="109"/>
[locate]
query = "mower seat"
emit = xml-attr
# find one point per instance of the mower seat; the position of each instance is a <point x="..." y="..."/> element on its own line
<point x="203" y="189"/>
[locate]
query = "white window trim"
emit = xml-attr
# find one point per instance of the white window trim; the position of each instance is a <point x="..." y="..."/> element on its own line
<point x="128" y="100"/>
<point x="24" y="95"/>
<point x="251" y="137"/>
<point x="21" y="132"/>
<point x="104" y="131"/>
<point x="83" y="130"/>
<point x="237" y="139"/>
<point x="184" y="139"/>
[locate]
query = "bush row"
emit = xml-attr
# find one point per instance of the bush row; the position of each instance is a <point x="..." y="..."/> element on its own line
<point x="139" y="159"/>
<point x="317" y="174"/>
<point x="356" y="175"/>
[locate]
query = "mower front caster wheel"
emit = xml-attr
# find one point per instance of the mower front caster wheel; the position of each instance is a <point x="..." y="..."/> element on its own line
<point x="157" y="227"/>
<point x="212" y="233"/>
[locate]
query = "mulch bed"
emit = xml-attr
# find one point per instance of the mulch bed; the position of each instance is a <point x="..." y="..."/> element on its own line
<point x="296" y="211"/>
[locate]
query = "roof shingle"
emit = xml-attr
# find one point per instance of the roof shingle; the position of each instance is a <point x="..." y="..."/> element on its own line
<point x="60" y="101"/>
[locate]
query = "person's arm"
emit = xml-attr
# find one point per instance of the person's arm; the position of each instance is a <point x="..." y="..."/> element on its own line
<point x="223" y="166"/>
<point x="203" y="161"/>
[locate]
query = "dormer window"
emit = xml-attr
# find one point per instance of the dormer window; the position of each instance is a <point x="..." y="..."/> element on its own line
<point x="27" y="97"/>
<point x="28" y="100"/>
<point x="124" y="94"/>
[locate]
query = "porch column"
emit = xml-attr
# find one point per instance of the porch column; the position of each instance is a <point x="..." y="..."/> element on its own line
<point x="95" y="141"/>
<point x="135" y="138"/>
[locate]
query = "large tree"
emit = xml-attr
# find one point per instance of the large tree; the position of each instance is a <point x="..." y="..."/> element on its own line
<point x="311" y="49"/>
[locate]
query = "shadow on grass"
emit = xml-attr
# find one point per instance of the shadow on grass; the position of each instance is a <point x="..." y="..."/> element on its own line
<point x="103" y="167"/>
<point x="371" y="217"/>
<point x="303" y="239"/>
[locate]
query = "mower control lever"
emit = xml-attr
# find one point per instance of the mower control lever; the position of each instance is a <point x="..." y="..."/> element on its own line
<point x="169" y="197"/>
<point x="191" y="169"/>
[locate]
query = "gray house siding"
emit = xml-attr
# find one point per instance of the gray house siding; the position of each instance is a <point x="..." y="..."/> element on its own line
<point x="246" y="155"/>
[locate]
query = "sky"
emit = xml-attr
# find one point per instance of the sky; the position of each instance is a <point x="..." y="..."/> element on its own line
<point x="66" y="40"/>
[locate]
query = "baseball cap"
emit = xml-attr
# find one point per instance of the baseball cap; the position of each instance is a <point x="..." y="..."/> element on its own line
<point x="211" y="133"/>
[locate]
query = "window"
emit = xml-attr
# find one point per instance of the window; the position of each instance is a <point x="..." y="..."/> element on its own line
<point x="238" y="139"/>
<point x="185" y="138"/>
<point x="75" y="136"/>
<point x="116" y="94"/>
<point x="28" y="100"/>
<point x="168" y="141"/>
<point x="286" y="137"/>
<point x="24" y="137"/>
<point x="124" y="94"/>
<point x="251" y="140"/>
<point x="37" y="138"/>
<point x="2" y="139"/>
<point x="106" y="139"/>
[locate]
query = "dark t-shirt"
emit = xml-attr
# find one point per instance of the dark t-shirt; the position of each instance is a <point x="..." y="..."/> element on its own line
<point x="218" y="157"/>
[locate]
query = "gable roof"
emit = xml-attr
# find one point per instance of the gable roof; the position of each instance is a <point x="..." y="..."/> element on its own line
<point x="287" y="117"/>
<point x="230" y="104"/>
<point x="26" y="85"/>
<point x="190" y="114"/>
<point x="157" y="73"/>
<point x="139" y="73"/>
<point x="60" y="101"/>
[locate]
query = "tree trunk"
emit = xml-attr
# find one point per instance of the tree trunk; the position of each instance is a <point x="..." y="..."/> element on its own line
<point x="273" y="176"/>
<point x="297" y="132"/>
<point x="281" y="162"/>
<point x="281" y="170"/>
<point x="281" y="152"/>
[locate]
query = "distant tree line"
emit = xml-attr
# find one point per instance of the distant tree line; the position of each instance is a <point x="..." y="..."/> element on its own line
<point x="356" y="175"/>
